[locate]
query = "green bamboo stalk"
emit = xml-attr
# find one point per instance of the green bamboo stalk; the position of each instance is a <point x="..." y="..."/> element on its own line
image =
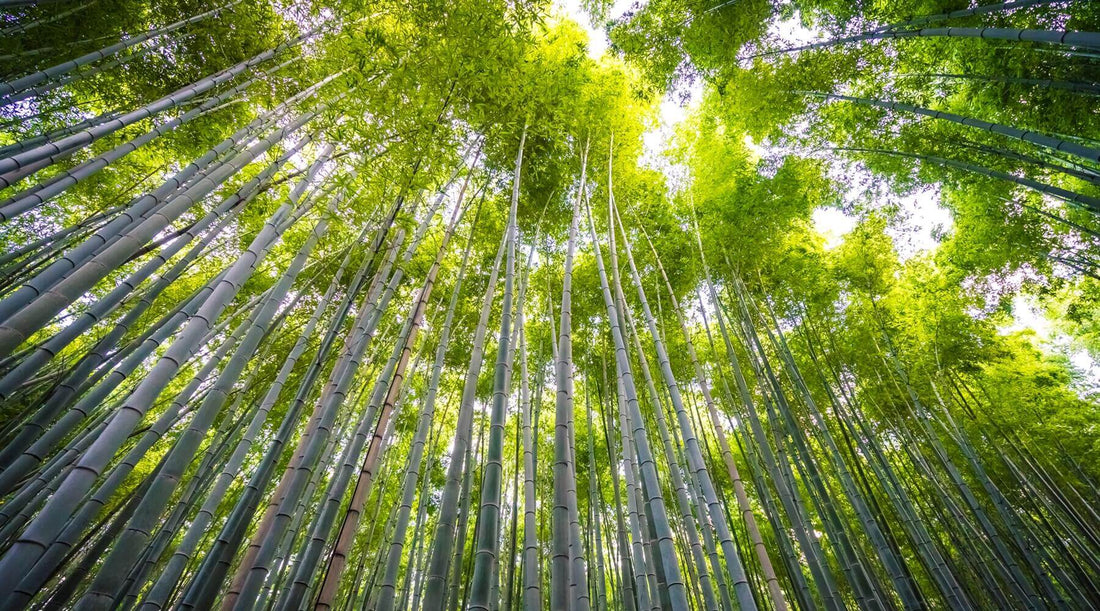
<point x="774" y="591"/>
<point x="655" y="502"/>
<point x="387" y="589"/>
<point x="1085" y="40"/>
<point x="8" y="88"/>
<point x="444" y="537"/>
<point x="488" y="539"/>
<point x="338" y="558"/>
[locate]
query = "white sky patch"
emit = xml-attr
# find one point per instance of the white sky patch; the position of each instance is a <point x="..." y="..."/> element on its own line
<point x="833" y="224"/>
<point x="757" y="150"/>
<point x="920" y="220"/>
<point x="1027" y="314"/>
<point x="657" y="138"/>
<point x="793" y="33"/>
<point x="597" y="37"/>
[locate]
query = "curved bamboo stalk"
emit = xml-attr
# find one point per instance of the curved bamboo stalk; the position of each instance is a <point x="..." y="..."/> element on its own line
<point x="1074" y="170"/>
<point x="1085" y="40"/>
<point x="983" y="9"/>
<point x="1090" y="203"/>
<point x="23" y="28"/>
<point x="1078" y="87"/>
<point x="1043" y="140"/>
<point x="39" y="311"/>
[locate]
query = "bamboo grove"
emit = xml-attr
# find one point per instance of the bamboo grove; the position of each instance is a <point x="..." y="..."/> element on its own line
<point x="386" y="305"/>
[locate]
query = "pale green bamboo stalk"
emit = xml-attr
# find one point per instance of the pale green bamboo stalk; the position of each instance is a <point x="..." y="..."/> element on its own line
<point x="444" y="536"/>
<point x="655" y="501"/>
<point x="488" y="538"/>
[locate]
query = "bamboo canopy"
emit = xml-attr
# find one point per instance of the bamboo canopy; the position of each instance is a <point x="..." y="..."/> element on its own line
<point x="495" y="305"/>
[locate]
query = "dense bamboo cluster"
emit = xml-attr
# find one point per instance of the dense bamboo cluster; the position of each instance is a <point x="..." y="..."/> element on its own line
<point x="333" y="352"/>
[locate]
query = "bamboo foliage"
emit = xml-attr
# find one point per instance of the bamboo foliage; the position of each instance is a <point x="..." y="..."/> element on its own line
<point x="225" y="381"/>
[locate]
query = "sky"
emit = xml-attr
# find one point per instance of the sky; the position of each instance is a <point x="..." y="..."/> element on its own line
<point x="597" y="38"/>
